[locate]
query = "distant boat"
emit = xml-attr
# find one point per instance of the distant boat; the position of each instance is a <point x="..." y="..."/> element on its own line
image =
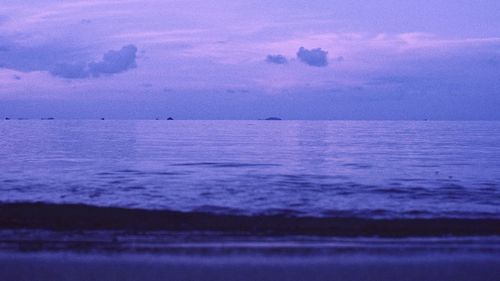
<point x="273" y="118"/>
<point x="50" y="118"/>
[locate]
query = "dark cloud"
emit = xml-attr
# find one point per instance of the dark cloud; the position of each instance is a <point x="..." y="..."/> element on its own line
<point x="64" y="61"/>
<point x="70" y="71"/>
<point x="34" y="58"/>
<point x="112" y="62"/>
<point x="313" y="57"/>
<point x="276" y="59"/>
<point x="115" y="61"/>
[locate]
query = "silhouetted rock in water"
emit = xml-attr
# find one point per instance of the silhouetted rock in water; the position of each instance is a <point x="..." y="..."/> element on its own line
<point x="7" y="118"/>
<point x="157" y="118"/>
<point x="273" y="118"/>
<point x="170" y="118"/>
<point x="102" y="118"/>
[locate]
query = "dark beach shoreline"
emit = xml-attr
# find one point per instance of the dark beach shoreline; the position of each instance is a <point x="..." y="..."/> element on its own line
<point x="76" y="242"/>
<point x="65" y="217"/>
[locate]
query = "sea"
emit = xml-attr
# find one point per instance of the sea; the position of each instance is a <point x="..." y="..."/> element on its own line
<point x="249" y="200"/>
<point x="361" y="169"/>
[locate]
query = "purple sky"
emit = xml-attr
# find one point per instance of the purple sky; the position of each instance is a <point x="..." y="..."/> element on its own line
<point x="372" y="59"/>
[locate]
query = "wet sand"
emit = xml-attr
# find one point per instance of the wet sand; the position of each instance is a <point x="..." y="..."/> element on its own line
<point x="93" y="267"/>
<point x="41" y="255"/>
<point x="43" y="242"/>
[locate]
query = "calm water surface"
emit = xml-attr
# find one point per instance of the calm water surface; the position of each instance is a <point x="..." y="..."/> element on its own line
<point x="314" y="168"/>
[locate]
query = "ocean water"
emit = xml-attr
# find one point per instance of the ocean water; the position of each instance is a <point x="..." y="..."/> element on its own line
<point x="374" y="169"/>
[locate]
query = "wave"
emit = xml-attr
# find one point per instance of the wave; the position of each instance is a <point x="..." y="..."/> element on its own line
<point x="85" y="217"/>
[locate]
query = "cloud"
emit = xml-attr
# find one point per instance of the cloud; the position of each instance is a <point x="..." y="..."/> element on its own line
<point x="115" y="61"/>
<point x="276" y="59"/>
<point x="313" y="57"/>
<point x="112" y="62"/>
<point x="63" y="61"/>
<point x="34" y="58"/>
<point x="70" y="71"/>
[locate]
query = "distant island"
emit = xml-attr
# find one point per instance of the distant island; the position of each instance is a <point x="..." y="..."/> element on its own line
<point x="273" y="118"/>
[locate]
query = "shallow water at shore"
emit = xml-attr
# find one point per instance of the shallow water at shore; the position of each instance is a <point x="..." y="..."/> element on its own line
<point x="305" y="168"/>
<point x="249" y="200"/>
